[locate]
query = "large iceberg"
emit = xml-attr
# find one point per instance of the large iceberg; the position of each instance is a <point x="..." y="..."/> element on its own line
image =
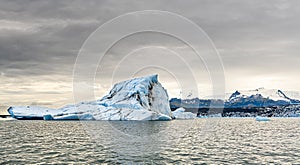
<point x="141" y="98"/>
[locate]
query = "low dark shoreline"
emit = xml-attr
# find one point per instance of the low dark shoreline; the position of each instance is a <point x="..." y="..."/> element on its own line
<point x="273" y="111"/>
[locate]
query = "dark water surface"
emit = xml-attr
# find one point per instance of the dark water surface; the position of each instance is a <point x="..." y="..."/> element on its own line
<point x="220" y="141"/>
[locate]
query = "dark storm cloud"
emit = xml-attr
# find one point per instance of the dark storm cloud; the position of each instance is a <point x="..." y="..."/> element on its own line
<point x="47" y="49"/>
<point x="42" y="38"/>
<point x="52" y="32"/>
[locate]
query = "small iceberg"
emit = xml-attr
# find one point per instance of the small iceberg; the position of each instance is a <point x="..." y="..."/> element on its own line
<point x="180" y="113"/>
<point x="259" y="118"/>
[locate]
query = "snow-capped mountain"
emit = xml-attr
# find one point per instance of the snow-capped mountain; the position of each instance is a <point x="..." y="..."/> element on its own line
<point x="262" y="97"/>
<point x="273" y="94"/>
<point x="141" y="98"/>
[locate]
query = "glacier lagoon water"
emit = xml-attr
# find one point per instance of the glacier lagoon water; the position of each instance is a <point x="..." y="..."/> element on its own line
<point x="220" y="140"/>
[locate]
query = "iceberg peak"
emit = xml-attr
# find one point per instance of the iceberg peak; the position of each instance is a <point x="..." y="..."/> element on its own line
<point x="143" y="93"/>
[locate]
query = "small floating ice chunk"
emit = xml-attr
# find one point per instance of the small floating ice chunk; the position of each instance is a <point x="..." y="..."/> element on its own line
<point x="164" y="118"/>
<point x="48" y="117"/>
<point x="259" y="118"/>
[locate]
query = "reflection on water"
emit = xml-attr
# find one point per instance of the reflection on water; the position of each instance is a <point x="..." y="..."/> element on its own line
<point x="180" y="141"/>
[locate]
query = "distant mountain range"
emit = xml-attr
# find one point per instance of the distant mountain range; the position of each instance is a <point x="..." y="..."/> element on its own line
<point x="245" y="99"/>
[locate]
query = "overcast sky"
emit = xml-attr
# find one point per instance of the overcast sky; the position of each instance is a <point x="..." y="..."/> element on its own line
<point x="258" y="42"/>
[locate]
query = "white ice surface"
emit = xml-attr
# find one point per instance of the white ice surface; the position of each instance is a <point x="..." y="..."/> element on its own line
<point x="141" y="98"/>
<point x="180" y="113"/>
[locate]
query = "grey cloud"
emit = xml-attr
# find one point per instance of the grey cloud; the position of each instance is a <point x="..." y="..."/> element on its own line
<point x="40" y="39"/>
